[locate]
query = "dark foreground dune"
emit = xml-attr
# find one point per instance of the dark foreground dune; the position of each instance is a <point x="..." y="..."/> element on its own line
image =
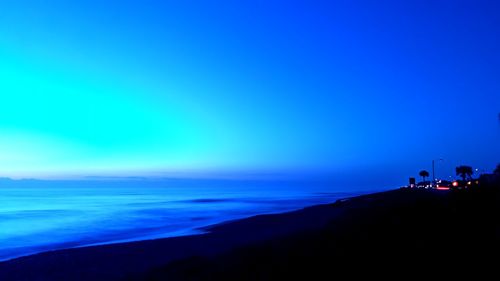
<point x="401" y="233"/>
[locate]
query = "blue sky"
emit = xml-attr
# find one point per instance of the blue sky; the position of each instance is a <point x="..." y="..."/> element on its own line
<point x="339" y="87"/>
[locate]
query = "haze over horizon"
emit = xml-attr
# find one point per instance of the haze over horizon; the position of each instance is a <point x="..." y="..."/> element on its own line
<point x="350" y="88"/>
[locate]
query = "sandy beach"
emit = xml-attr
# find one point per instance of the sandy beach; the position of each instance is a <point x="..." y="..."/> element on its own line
<point x="422" y="229"/>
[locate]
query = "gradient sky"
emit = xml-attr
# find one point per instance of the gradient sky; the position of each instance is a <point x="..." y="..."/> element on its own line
<point x="348" y="87"/>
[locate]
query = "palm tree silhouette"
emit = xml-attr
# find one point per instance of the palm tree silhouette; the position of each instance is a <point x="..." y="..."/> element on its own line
<point x="423" y="174"/>
<point x="464" y="171"/>
<point x="497" y="170"/>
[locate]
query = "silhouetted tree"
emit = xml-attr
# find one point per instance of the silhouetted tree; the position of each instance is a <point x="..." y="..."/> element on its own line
<point x="497" y="170"/>
<point x="423" y="174"/>
<point x="464" y="171"/>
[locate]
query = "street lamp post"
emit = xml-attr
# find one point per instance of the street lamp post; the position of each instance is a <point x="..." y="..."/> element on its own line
<point x="433" y="170"/>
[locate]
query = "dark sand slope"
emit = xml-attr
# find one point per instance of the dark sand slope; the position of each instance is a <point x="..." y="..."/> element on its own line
<point x="411" y="230"/>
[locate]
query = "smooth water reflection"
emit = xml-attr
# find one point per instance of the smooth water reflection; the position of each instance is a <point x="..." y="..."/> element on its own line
<point x="38" y="216"/>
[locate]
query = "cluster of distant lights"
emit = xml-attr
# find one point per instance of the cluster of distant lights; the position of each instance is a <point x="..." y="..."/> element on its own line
<point x="454" y="184"/>
<point x="440" y="185"/>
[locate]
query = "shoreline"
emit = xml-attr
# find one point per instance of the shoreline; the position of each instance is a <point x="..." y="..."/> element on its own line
<point x="137" y="235"/>
<point x="135" y="260"/>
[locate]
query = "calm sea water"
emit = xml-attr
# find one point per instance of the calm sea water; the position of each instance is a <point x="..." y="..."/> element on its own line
<point x="37" y="216"/>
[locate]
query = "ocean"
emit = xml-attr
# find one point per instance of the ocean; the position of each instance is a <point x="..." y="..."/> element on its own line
<point x="38" y="216"/>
